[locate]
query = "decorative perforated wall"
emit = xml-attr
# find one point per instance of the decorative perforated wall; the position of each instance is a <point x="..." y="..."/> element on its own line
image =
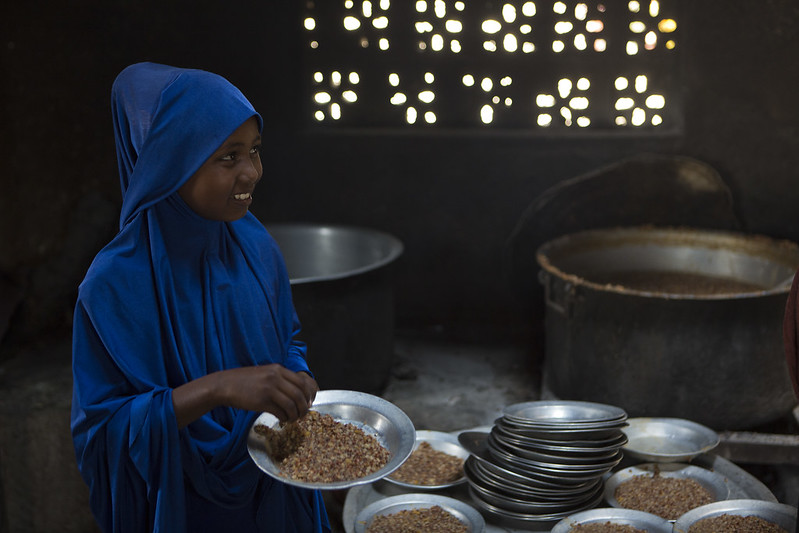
<point x="519" y="65"/>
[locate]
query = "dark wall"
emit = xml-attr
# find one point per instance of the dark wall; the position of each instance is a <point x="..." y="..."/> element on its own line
<point x="452" y="200"/>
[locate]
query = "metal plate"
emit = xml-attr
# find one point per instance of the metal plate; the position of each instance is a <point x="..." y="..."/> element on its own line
<point x="777" y="513"/>
<point x="374" y="415"/>
<point x="557" y="413"/>
<point x="670" y="440"/>
<point x="442" y="442"/>
<point x="718" y="485"/>
<point x="630" y="517"/>
<point x="394" y="504"/>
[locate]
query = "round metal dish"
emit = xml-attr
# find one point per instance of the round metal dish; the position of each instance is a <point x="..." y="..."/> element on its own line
<point x="630" y="517"/>
<point x="394" y="504"/>
<point x="442" y="442"/>
<point x="777" y="513"/>
<point x="669" y="440"/>
<point x="556" y="413"/>
<point x="525" y="520"/>
<point x="374" y="415"/>
<point x="718" y="485"/>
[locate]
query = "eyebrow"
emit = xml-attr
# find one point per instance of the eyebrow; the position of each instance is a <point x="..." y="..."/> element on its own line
<point x="236" y="144"/>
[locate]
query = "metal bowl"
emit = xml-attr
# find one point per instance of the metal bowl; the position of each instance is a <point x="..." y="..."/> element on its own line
<point x="670" y="440"/>
<point x="630" y="517"/>
<point x="718" y="485"/>
<point x="394" y="504"/>
<point x="544" y="414"/>
<point x="777" y="513"/>
<point x="442" y="442"/>
<point x="374" y="415"/>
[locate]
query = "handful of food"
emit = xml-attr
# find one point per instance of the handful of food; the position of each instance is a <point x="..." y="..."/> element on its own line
<point x="319" y="449"/>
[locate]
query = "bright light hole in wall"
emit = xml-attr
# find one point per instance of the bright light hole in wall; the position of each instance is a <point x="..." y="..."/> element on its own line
<point x="508" y="101"/>
<point x="580" y="11"/>
<point x="583" y="84"/>
<point x="335" y="79"/>
<point x="349" y="96"/>
<point x="366" y="9"/>
<point x="439" y="8"/>
<point x="318" y="77"/>
<point x="509" y="43"/>
<point x="544" y="120"/>
<point x="437" y="42"/>
<point x="495" y="99"/>
<point x="381" y="23"/>
<point x="632" y="48"/>
<point x="583" y="122"/>
<point x="654" y="8"/>
<point x="430" y="117"/>
<point x="559" y="8"/>
<point x="657" y="120"/>
<point x="509" y="13"/>
<point x="335" y="111"/>
<point x="558" y="46"/>
<point x="393" y="79"/>
<point x="427" y="96"/>
<point x="490" y="46"/>
<point x="634" y="6"/>
<point x="640" y="84"/>
<point x="487" y="114"/>
<point x="398" y="99"/>
<point x="655" y="101"/>
<point x="566" y="113"/>
<point x="487" y="84"/>
<point x="600" y="45"/>
<point x="429" y="77"/>
<point x="309" y="23"/>
<point x="650" y="40"/>
<point x="455" y="46"/>
<point x="545" y="100"/>
<point x="621" y="83"/>
<point x="468" y="80"/>
<point x="528" y="9"/>
<point x="580" y="42"/>
<point x="490" y="26"/>
<point x="351" y="23"/>
<point x="624" y="103"/>
<point x="322" y="98"/>
<point x="637" y="26"/>
<point x="319" y="115"/>
<point x="563" y="27"/>
<point x="506" y="81"/>
<point x="410" y="115"/>
<point x="421" y="6"/>
<point x="453" y="26"/>
<point x="564" y="87"/>
<point x="639" y="117"/>
<point x="667" y="25"/>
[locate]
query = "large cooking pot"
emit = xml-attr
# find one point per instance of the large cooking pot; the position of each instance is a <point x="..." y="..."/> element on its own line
<point x="669" y="322"/>
<point x="342" y="288"/>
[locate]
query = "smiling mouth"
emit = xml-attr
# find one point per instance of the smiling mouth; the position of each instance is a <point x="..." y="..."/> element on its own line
<point x="243" y="196"/>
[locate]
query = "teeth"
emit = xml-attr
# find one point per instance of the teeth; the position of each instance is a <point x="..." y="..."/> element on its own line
<point x="242" y="196"/>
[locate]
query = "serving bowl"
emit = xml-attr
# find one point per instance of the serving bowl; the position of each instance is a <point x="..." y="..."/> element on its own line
<point x="375" y="416"/>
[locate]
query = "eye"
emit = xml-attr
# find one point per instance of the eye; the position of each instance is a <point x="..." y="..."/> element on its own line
<point x="256" y="150"/>
<point x="231" y="156"/>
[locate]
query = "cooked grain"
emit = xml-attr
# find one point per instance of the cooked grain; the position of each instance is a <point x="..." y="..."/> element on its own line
<point x="424" y="520"/>
<point x="428" y="466"/>
<point x="667" y="497"/>
<point x="738" y="524"/>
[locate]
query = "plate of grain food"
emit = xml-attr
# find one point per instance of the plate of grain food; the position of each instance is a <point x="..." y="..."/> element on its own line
<point x="667" y="440"/>
<point x="612" y="520"/>
<point x="419" y="512"/>
<point x="741" y="516"/>
<point x="347" y="438"/>
<point x="668" y="490"/>
<point x="435" y="463"/>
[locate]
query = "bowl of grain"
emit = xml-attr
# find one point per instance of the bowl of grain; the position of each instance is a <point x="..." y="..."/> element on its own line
<point x="668" y="490"/>
<point x="435" y="463"/>
<point x="741" y="516"/>
<point x="612" y="520"/>
<point x="419" y="512"/>
<point x="347" y="438"/>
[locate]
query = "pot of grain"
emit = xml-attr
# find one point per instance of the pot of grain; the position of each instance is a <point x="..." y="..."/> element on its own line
<point x="669" y="322"/>
<point x="341" y="282"/>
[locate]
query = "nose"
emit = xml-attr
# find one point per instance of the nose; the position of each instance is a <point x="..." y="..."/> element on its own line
<point x="252" y="170"/>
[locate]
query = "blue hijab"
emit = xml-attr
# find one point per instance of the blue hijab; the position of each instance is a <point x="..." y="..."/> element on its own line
<point x="172" y="298"/>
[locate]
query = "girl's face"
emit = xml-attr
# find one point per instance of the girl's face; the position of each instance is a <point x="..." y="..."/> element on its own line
<point x="222" y="187"/>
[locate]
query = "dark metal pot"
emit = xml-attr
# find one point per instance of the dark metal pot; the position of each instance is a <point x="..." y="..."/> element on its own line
<point x="715" y="357"/>
<point x="342" y="288"/>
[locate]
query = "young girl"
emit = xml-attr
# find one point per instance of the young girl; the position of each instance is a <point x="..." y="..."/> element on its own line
<point x="184" y="327"/>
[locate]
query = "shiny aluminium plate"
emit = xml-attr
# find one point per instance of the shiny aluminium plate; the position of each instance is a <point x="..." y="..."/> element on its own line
<point x="372" y="414"/>
<point x="670" y="440"/>
<point x="629" y="517"/>
<point x="442" y="442"/>
<point x="717" y="484"/>
<point x="777" y="513"/>
<point x="404" y="502"/>
<point x="556" y="413"/>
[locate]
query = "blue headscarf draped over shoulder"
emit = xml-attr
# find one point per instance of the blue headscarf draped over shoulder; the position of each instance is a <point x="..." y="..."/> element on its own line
<point x="172" y="298"/>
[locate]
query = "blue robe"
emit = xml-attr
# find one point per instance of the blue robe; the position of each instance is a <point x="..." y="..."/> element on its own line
<point x="172" y="298"/>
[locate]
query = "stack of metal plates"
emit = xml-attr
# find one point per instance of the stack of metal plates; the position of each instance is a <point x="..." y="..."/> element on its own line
<point x="544" y="460"/>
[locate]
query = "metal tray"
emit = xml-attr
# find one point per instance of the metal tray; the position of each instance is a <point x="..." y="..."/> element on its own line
<point x="630" y="517"/>
<point x="443" y="442"/>
<point x="777" y="513"/>
<point x="374" y="415"/>
<point x="717" y="484"/>
<point x="669" y="440"/>
<point x="394" y="504"/>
